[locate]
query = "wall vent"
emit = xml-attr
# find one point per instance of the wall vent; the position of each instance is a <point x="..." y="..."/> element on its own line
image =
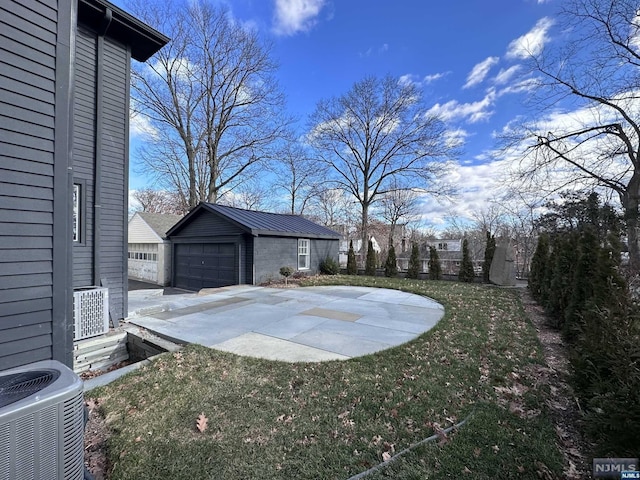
<point x="90" y="312"/>
<point x="41" y="423"/>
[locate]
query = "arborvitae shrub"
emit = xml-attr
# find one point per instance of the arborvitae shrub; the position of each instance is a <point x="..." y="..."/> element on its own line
<point x="562" y="267"/>
<point x="466" y="273"/>
<point x="352" y="267"/>
<point x="606" y="375"/>
<point x="489" y="251"/>
<point x="413" y="269"/>
<point x="370" y="265"/>
<point x="538" y="269"/>
<point x="435" y="269"/>
<point x="391" y="265"/>
<point x="587" y="280"/>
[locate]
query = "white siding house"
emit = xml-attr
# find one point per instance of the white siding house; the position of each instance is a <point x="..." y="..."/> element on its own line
<point x="149" y="252"/>
<point x="343" y="252"/>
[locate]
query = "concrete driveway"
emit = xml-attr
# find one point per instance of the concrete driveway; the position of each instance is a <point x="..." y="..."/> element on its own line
<point x="296" y="324"/>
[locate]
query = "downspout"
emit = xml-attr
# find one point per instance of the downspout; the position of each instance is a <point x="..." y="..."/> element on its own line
<point x="97" y="171"/>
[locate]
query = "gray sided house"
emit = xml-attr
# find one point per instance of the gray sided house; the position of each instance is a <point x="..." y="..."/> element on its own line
<point x="64" y="110"/>
<point x="149" y="249"/>
<point x="216" y="245"/>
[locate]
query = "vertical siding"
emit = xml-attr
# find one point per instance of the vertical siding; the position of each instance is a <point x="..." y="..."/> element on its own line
<point x="207" y="224"/>
<point x="100" y="137"/>
<point x="113" y="243"/>
<point x="28" y="33"/>
<point x="84" y="144"/>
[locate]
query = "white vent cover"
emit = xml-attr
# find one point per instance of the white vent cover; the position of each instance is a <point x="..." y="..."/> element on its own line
<point x="41" y="423"/>
<point x="90" y="312"/>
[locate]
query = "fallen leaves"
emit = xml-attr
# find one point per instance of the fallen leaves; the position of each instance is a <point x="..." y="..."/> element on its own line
<point x="201" y="423"/>
<point x="389" y="450"/>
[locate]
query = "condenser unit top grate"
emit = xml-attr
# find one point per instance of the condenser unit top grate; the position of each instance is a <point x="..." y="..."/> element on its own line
<point x="16" y="386"/>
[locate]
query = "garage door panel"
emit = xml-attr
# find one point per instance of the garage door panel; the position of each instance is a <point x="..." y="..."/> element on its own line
<point x="202" y="265"/>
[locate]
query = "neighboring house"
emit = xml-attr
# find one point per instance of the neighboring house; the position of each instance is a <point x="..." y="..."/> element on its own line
<point x="64" y="113"/>
<point x="357" y="249"/>
<point x="149" y="249"/>
<point x="216" y="245"/>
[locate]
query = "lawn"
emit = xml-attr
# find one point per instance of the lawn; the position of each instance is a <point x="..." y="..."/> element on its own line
<point x="275" y="420"/>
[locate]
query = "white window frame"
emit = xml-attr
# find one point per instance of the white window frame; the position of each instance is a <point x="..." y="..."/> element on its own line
<point x="304" y="254"/>
<point x="77" y="213"/>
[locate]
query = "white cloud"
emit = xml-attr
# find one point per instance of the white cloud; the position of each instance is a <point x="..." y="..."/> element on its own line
<point x="522" y="86"/>
<point x="141" y="127"/>
<point x="409" y="79"/>
<point x="456" y="138"/>
<point x="471" y="112"/>
<point x="370" y="51"/>
<point x="477" y="184"/>
<point x="634" y="33"/>
<point x="505" y="75"/>
<point x="480" y="71"/>
<point x="293" y="16"/>
<point x="436" y="76"/>
<point x="532" y="42"/>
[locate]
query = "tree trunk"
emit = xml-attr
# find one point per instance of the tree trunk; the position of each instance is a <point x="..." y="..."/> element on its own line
<point x="365" y="233"/>
<point x="392" y="230"/>
<point x="630" y="202"/>
<point x="193" y="188"/>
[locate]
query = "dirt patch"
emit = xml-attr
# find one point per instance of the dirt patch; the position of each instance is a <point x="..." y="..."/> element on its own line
<point x="563" y="404"/>
<point x="95" y="441"/>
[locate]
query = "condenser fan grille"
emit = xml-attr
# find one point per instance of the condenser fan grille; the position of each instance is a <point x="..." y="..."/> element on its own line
<point x="16" y="386"/>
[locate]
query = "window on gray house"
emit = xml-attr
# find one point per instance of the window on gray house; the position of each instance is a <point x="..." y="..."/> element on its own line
<point x="77" y="212"/>
<point x="303" y="254"/>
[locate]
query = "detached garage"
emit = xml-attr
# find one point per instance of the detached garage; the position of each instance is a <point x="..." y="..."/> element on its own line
<point x="149" y="253"/>
<point x="215" y="246"/>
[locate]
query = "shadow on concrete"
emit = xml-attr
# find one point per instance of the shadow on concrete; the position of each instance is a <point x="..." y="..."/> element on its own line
<point x="139" y="285"/>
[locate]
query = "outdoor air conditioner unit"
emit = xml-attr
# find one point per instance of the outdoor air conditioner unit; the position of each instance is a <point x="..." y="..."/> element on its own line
<point x="90" y="312"/>
<point x="41" y="423"/>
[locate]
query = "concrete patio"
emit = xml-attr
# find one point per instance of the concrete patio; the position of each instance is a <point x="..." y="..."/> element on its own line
<point x="296" y="324"/>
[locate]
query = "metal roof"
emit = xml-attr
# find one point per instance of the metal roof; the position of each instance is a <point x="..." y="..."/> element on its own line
<point x="264" y="223"/>
<point x="160" y="223"/>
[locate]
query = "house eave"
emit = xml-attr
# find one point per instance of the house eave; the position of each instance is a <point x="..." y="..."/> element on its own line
<point x="269" y="233"/>
<point x="144" y="40"/>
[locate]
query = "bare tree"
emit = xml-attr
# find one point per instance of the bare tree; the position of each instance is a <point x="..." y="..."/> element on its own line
<point x="332" y="208"/>
<point x="377" y="132"/>
<point x="597" y="73"/>
<point x="489" y="218"/>
<point x="399" y="206"/>
<point x="159" y="201"/>
<point x="298" y="175"/>
<point x="210" y="97"/>
<point x="250" y="195"/>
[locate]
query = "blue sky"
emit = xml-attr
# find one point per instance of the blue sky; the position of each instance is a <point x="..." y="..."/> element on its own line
<point x="466" y="55"/>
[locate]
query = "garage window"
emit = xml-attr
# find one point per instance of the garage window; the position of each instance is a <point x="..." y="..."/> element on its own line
<point x="303" y="254"/>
